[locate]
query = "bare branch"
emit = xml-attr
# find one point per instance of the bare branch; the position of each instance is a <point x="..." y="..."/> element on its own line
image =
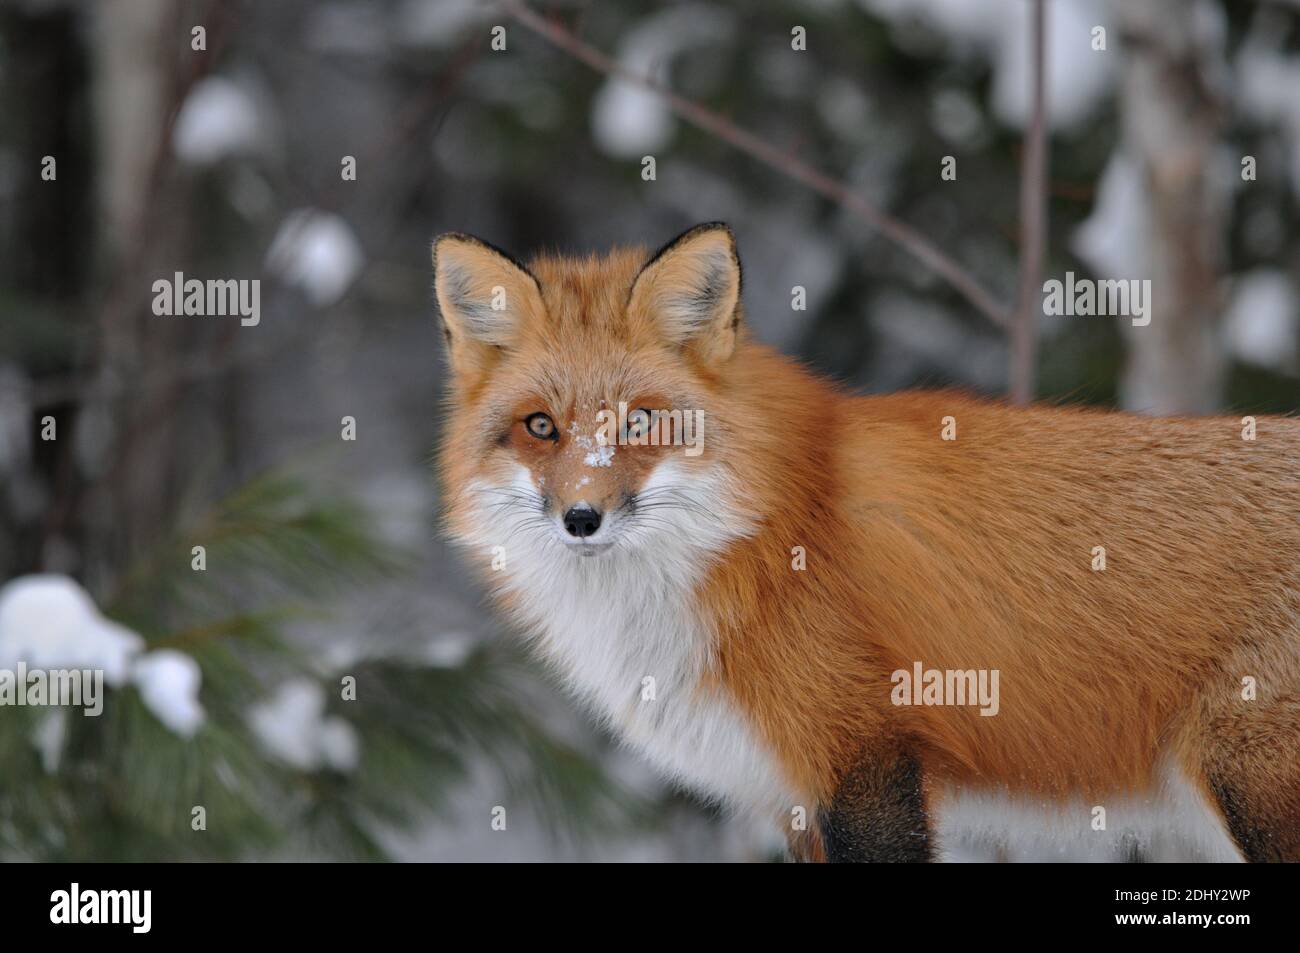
<point x="1033" y="220"/>
<point x="703" y="118"/>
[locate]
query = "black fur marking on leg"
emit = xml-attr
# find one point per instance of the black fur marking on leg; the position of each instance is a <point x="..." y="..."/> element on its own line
<point x="877" y="815"/>
<point x="1256" y="843"/>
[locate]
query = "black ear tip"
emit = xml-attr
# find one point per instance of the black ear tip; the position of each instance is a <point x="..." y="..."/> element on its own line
<point x="468" y="239"/>
<point x="718" y="227"/>
<point x="443" y="237"/>
<point x="706" y="227"/>
<point x="461" y="238"/>
<point x="691" y="233"/>
<point x="711" y="227"/>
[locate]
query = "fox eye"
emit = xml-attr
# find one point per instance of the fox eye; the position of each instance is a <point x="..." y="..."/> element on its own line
<point x="541" y="426"/>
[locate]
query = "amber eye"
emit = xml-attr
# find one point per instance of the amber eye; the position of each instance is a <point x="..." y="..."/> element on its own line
<point x="541" y="426"/>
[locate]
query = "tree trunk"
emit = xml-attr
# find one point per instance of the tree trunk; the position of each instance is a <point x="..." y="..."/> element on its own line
<point x="1171" y="121"/>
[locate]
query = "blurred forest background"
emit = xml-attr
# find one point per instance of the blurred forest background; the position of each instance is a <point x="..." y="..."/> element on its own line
<point x="323" y="564"/>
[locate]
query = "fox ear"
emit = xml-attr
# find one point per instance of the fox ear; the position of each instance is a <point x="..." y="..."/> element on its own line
<point x="691" y="289"/>
<point x="484" y="296"/>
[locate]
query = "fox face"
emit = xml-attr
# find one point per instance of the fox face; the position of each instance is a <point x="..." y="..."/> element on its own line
<point x="590" y="460"/>
<point x="580" y="390"/>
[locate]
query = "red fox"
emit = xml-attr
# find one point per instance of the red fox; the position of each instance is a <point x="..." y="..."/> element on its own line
<point x="900" y="626"/>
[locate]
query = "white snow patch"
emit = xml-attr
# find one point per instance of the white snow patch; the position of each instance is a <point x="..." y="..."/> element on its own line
<point x="219" y="118"/>
<point x="1261" y="323"/>
<point x="581" y="439"/>
<point x="317" y="252"/>
<point x="48" y="737"/>
<point x="168" y="682"/>
<point x="49" y="622"/>
<point x="339" y="745"/>
<point x="292" y="727"/>
<point x="600" y="457"/>
<point x="629" y="121"/>
<point x="1112" y="240"/>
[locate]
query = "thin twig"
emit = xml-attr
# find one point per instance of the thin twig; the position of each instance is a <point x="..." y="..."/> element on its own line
<point x="1033" y="220"/>
<point x="700" y="116"/>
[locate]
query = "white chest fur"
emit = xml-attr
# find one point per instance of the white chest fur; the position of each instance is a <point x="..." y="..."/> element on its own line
<point x="622" y="630"/>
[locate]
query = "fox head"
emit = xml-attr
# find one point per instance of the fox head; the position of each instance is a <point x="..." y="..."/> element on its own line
<point x="582" y="394"/>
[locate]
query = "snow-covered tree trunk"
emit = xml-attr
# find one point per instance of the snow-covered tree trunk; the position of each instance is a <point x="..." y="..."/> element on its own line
<point x="1171" y="122"/>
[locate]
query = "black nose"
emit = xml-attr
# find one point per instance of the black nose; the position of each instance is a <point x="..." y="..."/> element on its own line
<point x="581" y="521"/>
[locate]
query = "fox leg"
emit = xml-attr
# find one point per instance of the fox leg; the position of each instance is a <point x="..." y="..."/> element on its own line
<point x="1249" y="753"/>
<point x="1253" y="771"/>
<point x="877" y="813"/>
<point x="1261" y="825"/>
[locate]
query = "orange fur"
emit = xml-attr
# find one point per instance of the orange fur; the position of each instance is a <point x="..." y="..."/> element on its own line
<point x="974" y="553"/>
